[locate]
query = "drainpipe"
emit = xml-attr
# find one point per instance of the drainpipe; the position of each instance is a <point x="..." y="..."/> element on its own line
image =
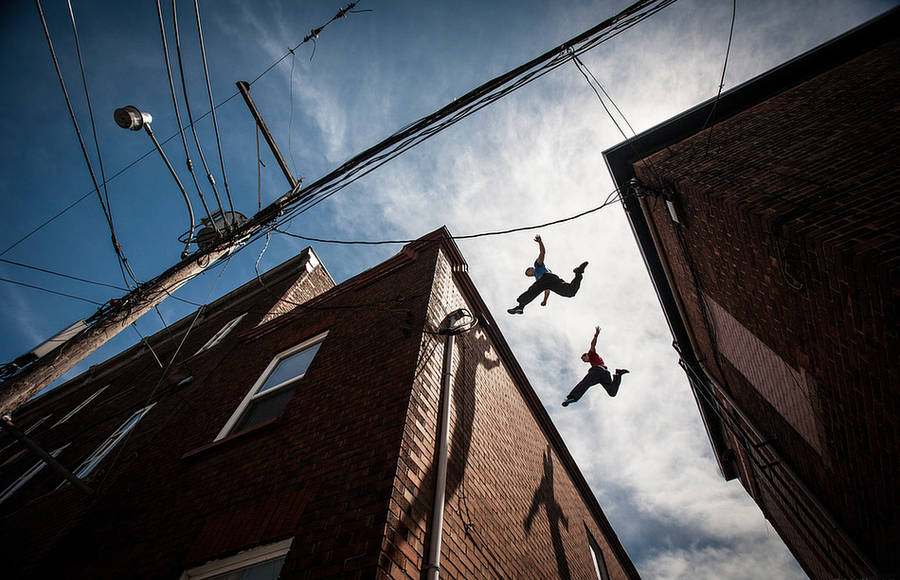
<point x="450" y="327"/>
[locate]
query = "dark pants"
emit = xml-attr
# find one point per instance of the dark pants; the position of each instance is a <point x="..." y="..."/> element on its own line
<point x="553" y="283"/>
<point x="594" y="376"/>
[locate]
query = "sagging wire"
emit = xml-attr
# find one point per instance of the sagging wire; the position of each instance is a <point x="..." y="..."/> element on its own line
<point x="123" y="262"/>
<point x="187" y="155"/>
<point x="8" y="281"/>
<point x="480" y="97"/>
<point x="212" y="108"/>
<point x="165" y="371"/>
<point x="609" y="201"/>
<point x="116" y="246"/>
<point x="187" y="106"/>
<point x="61" y="275"/>
<point x="712" y="111"/>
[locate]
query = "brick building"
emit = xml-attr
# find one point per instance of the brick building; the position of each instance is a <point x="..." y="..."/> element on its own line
<point x="297" y="430"/>
<point x="770" y="224"/>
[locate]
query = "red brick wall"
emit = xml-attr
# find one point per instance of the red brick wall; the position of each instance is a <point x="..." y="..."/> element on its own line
<point x="347" y="461"/>
<point x="512" y="509"/>
<point x="792" y="224"/>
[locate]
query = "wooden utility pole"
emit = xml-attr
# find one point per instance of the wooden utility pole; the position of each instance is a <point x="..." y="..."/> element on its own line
<point x="41" y="372"/>
<point x="109" y="322"/>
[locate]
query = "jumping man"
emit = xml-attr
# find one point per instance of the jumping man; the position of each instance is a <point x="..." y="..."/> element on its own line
<point x="545" y="281"/>
<point x="596" y="374"/>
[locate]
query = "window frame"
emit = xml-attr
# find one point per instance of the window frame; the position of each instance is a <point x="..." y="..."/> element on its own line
<point x="597" y="557"/>
<point x="94" y="459"/>
<point x="32" y="471"/>
<point x="254" y="393"/>
<point x="80" y="406"/>
<point x="240" y="560"/>
<point x="221" y="334"/>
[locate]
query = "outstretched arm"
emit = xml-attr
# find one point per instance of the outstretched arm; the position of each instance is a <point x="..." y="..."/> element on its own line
<point x="594" y="340"/>
<point x="540" y="258"/>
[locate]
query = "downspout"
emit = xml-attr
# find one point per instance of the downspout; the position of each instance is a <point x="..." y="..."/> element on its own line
<point x="450" y="327"/>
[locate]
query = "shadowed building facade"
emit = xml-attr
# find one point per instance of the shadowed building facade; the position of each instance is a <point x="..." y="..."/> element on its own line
<point x="297" y="433"/>
<point x="770" y="224"/>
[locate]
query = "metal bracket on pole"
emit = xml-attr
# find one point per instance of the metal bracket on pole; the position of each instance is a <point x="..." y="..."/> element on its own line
<point x="244" y="88"/>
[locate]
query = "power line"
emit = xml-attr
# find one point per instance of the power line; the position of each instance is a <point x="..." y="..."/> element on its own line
<point x="60" y="274"/>
<point x="187" y="106"/>
<point x="84" y="152"/>
<point x="473" y="101"/>
<point x="123" y="263"/>
<point x="722" y="80"/>
<point x="42" y="289"/>
<point x="212" y="108"/>
<point x="347" y="10"/>
<point x="461" y="237"/>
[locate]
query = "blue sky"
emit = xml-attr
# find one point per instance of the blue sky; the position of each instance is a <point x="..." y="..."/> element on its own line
<point x="532" y="157"/>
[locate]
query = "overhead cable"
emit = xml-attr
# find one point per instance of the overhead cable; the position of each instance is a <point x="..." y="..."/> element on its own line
<point x="87" y="159"/>
<point x="712" y="111"/>
<point x="60" y="274"/>
<point x="341" y="13"/>
<point x="212" y="107"/>
<point x="461" y="237"/>
<point x="123" y="263"/>
<point x="187" y="106"/>
<point x="42" y="289"/>
<point x="473" y="101"/>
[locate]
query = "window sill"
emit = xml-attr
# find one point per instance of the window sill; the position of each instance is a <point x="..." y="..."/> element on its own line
<point x="228" y="439"/>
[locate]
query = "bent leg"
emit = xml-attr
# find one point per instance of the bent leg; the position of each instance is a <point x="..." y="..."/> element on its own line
<point x="534" y="290"/>
<point x="568" y="289"/>
<point x="611" y="384"/>
<point x="589" y="380"/>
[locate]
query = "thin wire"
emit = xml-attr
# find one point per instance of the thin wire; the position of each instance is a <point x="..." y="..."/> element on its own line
<point x="46" y="222"/>
<point x="84" y="152"/>
<point x="712" y="111"/>
<point x="187" y="106"/>
<point x="60" y="274"/>
<point x="291" y="118"/>
<point x="187" y="155"/>
<point x="461" y="237"/>
<point x="123" y="263"/>
<point x="259" y="166"/>
<point x="50" y="291"/>
<point x="212" y="108"/>
<point x="165" y="371"/>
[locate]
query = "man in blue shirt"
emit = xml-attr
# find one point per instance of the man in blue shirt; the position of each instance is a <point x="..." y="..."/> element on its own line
<point x="546" y="281"/>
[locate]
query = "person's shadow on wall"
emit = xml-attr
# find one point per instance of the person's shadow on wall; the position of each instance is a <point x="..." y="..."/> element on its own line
<point x="543" y="496"/>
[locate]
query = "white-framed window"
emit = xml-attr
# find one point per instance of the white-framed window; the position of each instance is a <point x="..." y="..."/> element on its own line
<point x="597" y="557"/>
<point x="274" y="388"/>
<point x="97" y="456"/>
<point x="27" y="475"/>
<point x="79" y="407"/>
<point x="261" y="563"/>
<point x="223" y="332"/>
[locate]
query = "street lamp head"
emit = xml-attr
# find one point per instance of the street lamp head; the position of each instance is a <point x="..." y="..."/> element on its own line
<point x="130" y="117"/>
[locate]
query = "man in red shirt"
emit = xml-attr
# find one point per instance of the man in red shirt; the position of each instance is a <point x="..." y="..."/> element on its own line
<point x="597" y="374"/>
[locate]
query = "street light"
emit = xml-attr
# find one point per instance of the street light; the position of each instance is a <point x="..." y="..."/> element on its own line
<point x="132" y="118"/>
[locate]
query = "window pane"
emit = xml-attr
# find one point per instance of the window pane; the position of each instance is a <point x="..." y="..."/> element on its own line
<point x="264" y="408"/>
<point x="291" y="367"/>
<point x="262" y="571"/>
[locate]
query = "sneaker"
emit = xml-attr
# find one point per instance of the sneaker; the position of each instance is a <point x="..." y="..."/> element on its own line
<point x="567" y="401"/>
<point x="621" y="371"/>
<point x="580" y="269"/>
<point x="516" y="310"/>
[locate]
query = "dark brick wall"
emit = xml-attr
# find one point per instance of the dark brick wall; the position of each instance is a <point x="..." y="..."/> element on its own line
<point x="791" y="223"/>
<point x="346" y="470"/>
